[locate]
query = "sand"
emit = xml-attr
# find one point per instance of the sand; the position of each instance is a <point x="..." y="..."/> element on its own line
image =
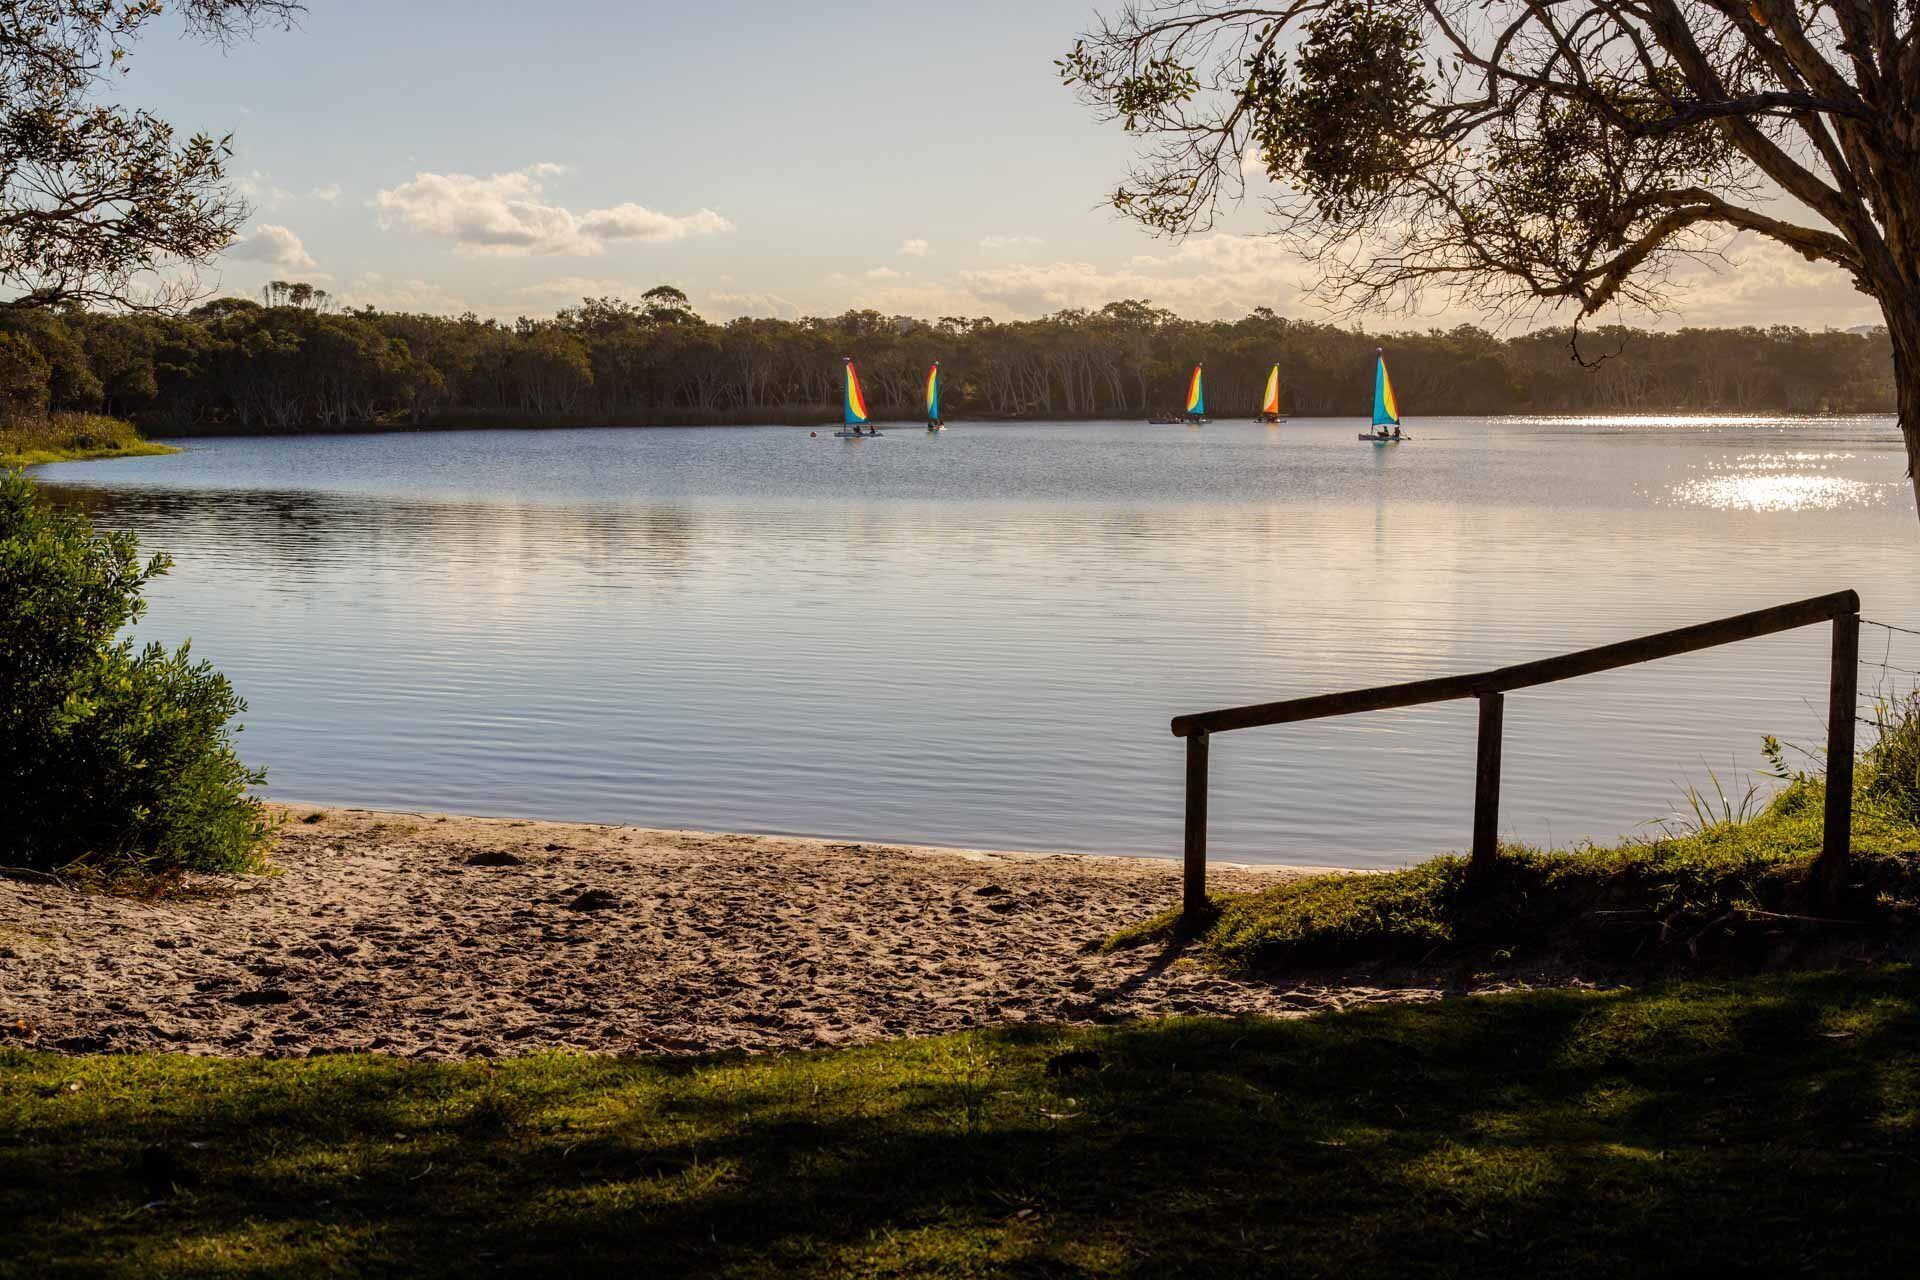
<point x="449" y="937"/>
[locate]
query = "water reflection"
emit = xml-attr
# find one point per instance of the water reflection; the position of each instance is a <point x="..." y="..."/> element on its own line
<point x="980" y="640"/>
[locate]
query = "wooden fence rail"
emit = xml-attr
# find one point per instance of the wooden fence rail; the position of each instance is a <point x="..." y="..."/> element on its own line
<point x="1842" y="608"/>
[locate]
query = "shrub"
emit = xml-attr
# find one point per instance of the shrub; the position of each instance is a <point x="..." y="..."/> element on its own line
<point x="111" y="758"/>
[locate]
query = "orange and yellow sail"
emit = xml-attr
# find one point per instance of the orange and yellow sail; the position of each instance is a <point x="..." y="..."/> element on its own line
<point x="1197" y="393"/>
<point x="1270" y="401"/>
<point x="856" y="406"/>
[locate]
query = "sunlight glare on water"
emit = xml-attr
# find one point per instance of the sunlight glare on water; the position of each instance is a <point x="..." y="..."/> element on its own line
<point x="1789" y="481"/>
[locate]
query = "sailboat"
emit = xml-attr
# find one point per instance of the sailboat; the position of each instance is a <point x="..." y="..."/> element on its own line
<point x="855" y="406"/>
<point x="1196" y="410"/>
<point x="933" y="399"/>
<point x="1386" y="409"/>
<point x="1270" y="401"/>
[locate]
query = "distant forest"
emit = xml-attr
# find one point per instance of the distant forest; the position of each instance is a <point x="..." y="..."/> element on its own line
<point x="294" y="362"/>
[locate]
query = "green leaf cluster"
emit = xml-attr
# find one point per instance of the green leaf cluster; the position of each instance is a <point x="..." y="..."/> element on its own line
<point x="112" y="758"/>
<point x="1338" y="123"/>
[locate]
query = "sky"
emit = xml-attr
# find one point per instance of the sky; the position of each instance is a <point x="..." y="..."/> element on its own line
<point x="770" y="159"/>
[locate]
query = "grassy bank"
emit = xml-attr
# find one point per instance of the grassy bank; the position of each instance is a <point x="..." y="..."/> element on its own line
<point x="71" y="437"/>
<point x="1769" y="1123"/>
<point x="1735" y="889"/>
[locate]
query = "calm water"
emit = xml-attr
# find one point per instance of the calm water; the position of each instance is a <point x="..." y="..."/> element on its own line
<point x="978" y="638"/>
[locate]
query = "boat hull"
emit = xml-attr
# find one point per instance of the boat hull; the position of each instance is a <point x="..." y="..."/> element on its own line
<point x="1370" y="438"/>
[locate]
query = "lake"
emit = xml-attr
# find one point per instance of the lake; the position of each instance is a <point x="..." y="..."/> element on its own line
<point x="978" y="638"/>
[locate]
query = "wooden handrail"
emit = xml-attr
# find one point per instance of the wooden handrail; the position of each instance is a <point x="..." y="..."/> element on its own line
<point x="1842" y="608"/>
<point x="1624" y="653"/>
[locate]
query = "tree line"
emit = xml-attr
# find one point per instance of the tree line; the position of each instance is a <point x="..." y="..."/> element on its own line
<point x="295" y="362"/>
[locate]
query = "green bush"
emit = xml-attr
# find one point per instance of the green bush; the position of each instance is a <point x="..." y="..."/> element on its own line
<point x="111" y="759"/>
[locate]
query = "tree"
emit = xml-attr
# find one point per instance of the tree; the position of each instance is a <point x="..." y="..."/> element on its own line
<point x="666" y="304"/>
<point x="1557" y="151"/>
<point x="96" y="198"/>
<point x="23" y="380"/>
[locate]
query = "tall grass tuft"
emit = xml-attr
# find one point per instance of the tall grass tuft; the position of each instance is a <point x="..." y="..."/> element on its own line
<point x="1890" y="768"/>
<point x="28" y="441"/>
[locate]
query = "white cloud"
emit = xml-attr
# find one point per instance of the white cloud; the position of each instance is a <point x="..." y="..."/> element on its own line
<point x="574" y="288"/>
<point x="914" y="249"/>
<point x="924" y="300"/>
<point x="884" y="273"/>
<point x="1764" y="282"/>
<point x="372" y="289"/>
<point x="274" y="245"/>
<point x="725" y="305"/>
<point x="259" y="190"/>
<point x="635" y="222"/>
<point x="1211" y="277"/>
<point x="328" y="192"/>
<point x="501" y="215"/>
<point x="1010" y="242"/>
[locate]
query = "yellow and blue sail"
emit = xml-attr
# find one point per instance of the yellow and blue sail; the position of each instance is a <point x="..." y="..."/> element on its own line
<point x="933" y="393"/>
<point x="1270" y="402"/>
<point x="1386" y="409"/>
<point x="1197" y="393"/>
<point x="856" y="406"/>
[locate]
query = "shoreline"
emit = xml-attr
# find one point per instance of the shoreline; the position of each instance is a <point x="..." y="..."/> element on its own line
<point x="441" y="936"/>
<point x="225" y="431"/>
<point x="73" y="436"/>
<point x="293" y="810"/>
<point x="46" y="457"/>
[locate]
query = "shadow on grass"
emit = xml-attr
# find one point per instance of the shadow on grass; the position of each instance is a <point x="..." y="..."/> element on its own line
<point x="1766" y="1123"/>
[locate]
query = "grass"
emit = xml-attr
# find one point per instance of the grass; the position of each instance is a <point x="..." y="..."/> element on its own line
<point x="71" y="437"/>
<point x="1730" y="886"/>
<point x="1770" y="1123"/>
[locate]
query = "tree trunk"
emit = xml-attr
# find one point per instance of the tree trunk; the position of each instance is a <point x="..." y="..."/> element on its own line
<point x="1903" y="326"/>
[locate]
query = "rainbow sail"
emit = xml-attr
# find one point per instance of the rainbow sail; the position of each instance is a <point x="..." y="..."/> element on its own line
<point x="1270" y="402"/>
<point x="856" y="406"/>
<point x="1196" y="393"/>
<point x="1386" y="409"/>
<point x="933" y="393"/>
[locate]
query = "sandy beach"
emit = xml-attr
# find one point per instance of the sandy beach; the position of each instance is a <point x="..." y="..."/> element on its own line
<point x="441" y="936"/>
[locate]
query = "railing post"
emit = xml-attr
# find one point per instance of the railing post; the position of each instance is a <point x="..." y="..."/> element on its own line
<point x="1193" y="907"/>
<point x="1836" y="844"/>
<point x="1486" y="787"/>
